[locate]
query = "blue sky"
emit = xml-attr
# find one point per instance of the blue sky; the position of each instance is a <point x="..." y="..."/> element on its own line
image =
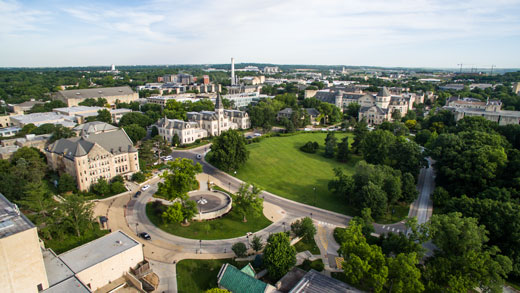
<point x="411" y="33"/>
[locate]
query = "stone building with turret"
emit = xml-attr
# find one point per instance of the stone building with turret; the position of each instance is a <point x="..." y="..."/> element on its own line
<point x="203" y="124"/>
<point x="99" y="151"/>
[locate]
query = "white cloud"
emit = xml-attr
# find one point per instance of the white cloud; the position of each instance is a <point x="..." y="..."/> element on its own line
<point x="15" y="18"/>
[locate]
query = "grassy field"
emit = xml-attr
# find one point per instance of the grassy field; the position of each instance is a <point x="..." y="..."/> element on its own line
<point x="229" y="226"/>
<point x="277" y="165"/>
<point x="195" y="275"/>
<point x="309" y="245"/>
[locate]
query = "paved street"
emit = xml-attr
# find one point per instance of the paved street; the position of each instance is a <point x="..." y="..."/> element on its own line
<point x="422" y="208"/>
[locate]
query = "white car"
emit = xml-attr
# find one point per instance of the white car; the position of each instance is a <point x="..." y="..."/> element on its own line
<point x="145" y="187"/>
<point x="257" y="134"/>
<point x="168" y="158"/>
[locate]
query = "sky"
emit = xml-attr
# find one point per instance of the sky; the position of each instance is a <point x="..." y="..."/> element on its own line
<point x="397" y="33"/>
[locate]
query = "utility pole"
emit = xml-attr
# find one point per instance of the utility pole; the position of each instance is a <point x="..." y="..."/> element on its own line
<point x="492" y="66"/>
<point x="460" y="71"/>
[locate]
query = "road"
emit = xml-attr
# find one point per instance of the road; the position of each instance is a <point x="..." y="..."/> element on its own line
<point x="422" y="208"/>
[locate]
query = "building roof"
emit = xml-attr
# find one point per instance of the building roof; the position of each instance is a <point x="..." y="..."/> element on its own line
<point x="94" y="127"/>
<point x="55" y="268"/>
<point x="45" y="117"/>
<point x="96" y="92"/>
<point x="75" y="109"/>
<point x="28" y="104"/>
<point x="96" y="251"/>
<point x="235" y="280"/>
<point x="12" y="221"/>
<point x="326" y="96"/>
<point x="248" y="269"/>
<point x="314" y="282"/>
<point x="115" y="142"/>
<point x="286" y="111"/>
<point x="176" y="123"/>
<point x="378" y="109"/>
<point x="384" y="92"/>
<point x="218" y="102"/>
<point x="312" y="112"/>
<point x="70" y="285"/>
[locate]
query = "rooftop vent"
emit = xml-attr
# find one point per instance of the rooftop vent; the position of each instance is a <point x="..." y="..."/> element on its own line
<point x="78" y="93"/>
<point x="119" y="242"/>
<point x="99" y="92"/>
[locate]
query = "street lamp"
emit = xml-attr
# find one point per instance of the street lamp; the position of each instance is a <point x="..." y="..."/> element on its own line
<point x="200" y="241"/>
<point x="136" y="224"/>
<point x="283" y="227"/>
<point x="314" y="188"/>
<point x="229" y="187"/>
<point x="311" y="215"/>
<point x="247" y="237"/>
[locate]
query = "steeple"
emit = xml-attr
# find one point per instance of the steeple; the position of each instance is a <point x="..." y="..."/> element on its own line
<point x="218" y="103"/>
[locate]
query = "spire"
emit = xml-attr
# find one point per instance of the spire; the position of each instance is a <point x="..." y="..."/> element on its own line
<point x="218" y="103"/>
<point x="384" y="92"/>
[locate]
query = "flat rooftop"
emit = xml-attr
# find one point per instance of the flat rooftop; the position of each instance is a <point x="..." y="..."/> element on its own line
<point x="12" y="221"/>
<point x="70" y="285"/>
<point x="75" y="109"/>
<point x="96" y="251"/>
<point x="56" y="269"/>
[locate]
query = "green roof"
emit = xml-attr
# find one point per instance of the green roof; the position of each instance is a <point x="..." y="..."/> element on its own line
<point x="237" y="281"/>
<point x="248" y="269"/>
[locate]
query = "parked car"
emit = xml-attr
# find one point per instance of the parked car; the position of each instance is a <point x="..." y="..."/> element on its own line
<point x="168" y="158"/>
<point x="137" y="194"/>
<point x="257" y="134"/>
<point x="145" y="187"/>
<point x="145" y="236"/>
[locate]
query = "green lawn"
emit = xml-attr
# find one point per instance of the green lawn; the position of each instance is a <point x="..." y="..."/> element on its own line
<point x="199" y="275"/>
<point x="316" y="265"/>
<point x="277" y="165"/>
<point x="229" y="226"/>
<point x="309" y="245"/>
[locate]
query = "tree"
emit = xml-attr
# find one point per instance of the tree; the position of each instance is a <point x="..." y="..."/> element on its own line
<point x="403" y="274"/>
<point x="135" y="118"/>
<point x="138" y="177"/>
<point x="373" y="197"/>
<point x="409" y="189"/>
<point x="60" y="132"/>
<point x="135" y="132"/>
<point x="117" y="187"/>
<point x="343" y="150"/>
<point x="310" y="147"/>
<point x="376" y="146"/>
<point x="176" y="140"/>
<point x="396" y="115"/>
<point x="464" y="264"/>
<point x="155" y="131"/>
<point x="228" y="151"/>
<point x="247" y="202"/>
<point x="104" y="116"/>
<point x="189" y="209"/>
<point x="279" y="255"/>
<point x="173" y="213"/>
<point x="353" y="110"/>
<point x="343" y="185"/>
<point x="257" y="244"/>
<point x="304" y="228"/>
<point x="66" y="183"/>
<point x="239" y="249"/>
<point x="330" y="145"/>
<point x="364" y="265"/>
<point x="179" y="178"/>
<point x="77" y="213"/>
<point x="101" y="187"/>
<point x="38" y="200"/>
<point x="360" y="131"/>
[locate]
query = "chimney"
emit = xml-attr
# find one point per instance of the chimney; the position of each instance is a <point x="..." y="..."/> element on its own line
<point x="232" y="71"/>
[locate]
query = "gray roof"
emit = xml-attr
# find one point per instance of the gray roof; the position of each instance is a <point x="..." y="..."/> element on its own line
<point x="55" y="268"/>
<point x="235" y="113"/>
<point x="115" y="142"/>
<point x="218" y="102"/>
<point x="28" y="104"/>
<point x="70" y="285"/>
<point x="314" y="282"/>
<point x="176" y="123"/>
<point x="74" y="109"/>
<point x="384" y="92"/>
<point x="94" y="127"/>
<point x="96" y="92"/>
<point x="286" y="111"/>
<point x="312" y="112"/>
<point x="327" y="97"/>
<point x="12" y="221"/>
<point x="96" y="251"/>
<point x="379" y="110"/>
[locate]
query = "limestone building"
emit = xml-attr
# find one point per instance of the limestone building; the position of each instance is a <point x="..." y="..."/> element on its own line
<point x="123" y="94"/>
<point x="491" y="110"/>
<point x="99" y="151"/>
<point x="21" y="260"/>
<point x="203" y="124"/>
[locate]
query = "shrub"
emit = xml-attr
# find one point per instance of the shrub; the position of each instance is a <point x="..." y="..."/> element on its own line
<point x="304" y="228"/>
<point x="239" y="249"/>
<point x="139" y="177"/>
<point x="310" y="147"/>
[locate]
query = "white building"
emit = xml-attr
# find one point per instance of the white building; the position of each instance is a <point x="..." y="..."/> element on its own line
<point x="44" y="118"/>
<point x="203" y="124"/>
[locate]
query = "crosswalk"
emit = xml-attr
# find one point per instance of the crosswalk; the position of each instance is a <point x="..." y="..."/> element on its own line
<point x="391" y="229"/>
<point x="325" y="224"/>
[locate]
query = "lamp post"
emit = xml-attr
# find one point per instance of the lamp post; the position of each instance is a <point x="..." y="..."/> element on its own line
<point x="311" y="215"/>
<point x="283" y="227"/>
<point x="229" y="187"/>
<point x="200" y="242"/>
<point x="314" y="188"/>
<point x="247" y="237"/>
<point x="136" y="233"/>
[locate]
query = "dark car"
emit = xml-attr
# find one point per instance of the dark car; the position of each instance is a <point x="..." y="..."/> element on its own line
<point x="145" y="236"/>
<point x="137" y="194"/>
